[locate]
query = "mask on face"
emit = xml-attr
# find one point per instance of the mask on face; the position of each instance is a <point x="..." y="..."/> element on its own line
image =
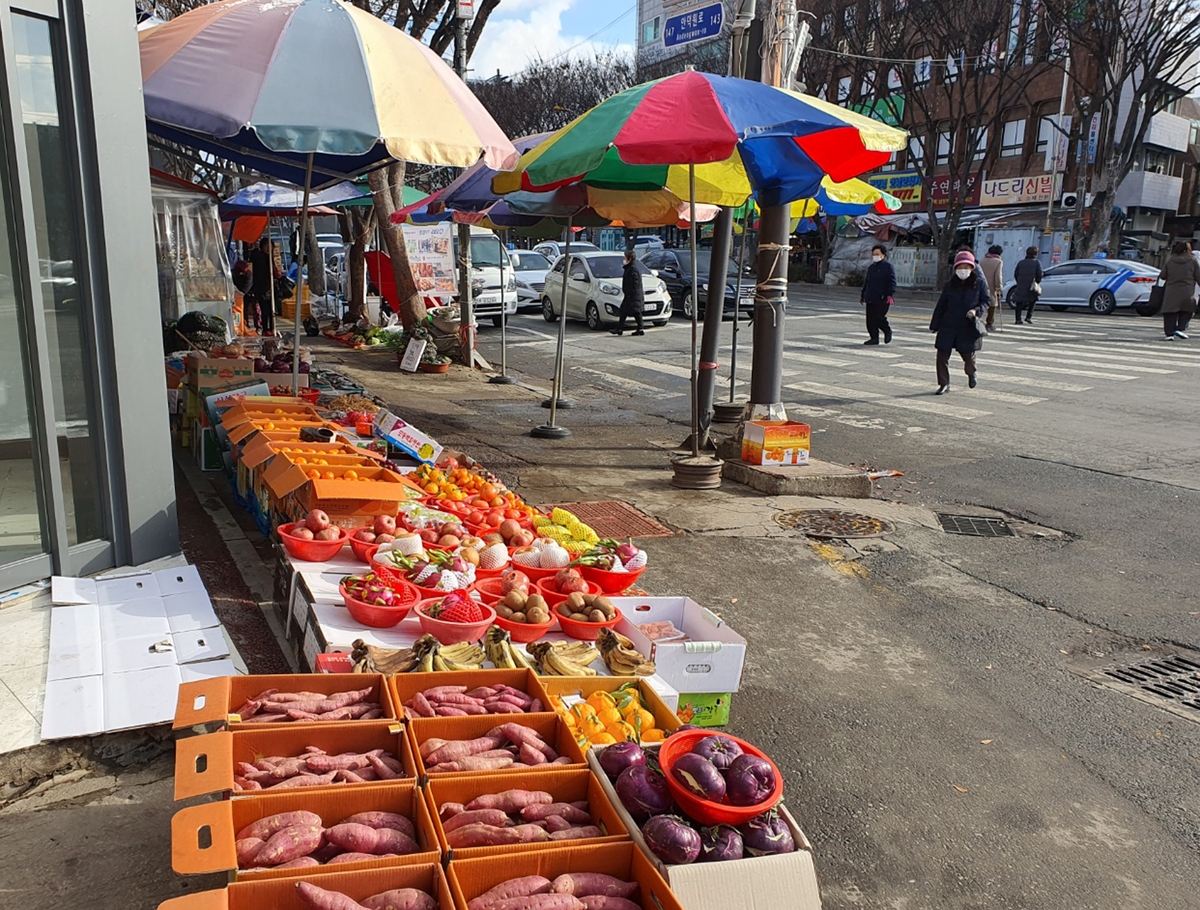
<point x="877" y="258"/>
<point x="963" y="274"/>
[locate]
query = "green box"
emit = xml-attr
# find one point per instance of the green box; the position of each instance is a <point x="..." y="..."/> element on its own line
<point x="705" y="709"/>
<point x="206" y="449"/>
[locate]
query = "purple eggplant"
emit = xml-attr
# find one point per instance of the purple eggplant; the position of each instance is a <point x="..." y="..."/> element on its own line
<point x="749" y="780"/>
<point x="671" y="839"/>
<point x="699" y="776"/>
<point x="720" y="750"/>
<point x="766" y="834"/>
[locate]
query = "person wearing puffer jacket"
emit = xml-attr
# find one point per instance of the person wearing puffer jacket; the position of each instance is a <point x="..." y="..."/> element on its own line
<point x="1179" y="277"/>
<point x="963" y="298"/>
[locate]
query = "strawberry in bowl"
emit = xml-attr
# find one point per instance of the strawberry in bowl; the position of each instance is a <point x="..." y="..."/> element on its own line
<point x="455" y="617"/>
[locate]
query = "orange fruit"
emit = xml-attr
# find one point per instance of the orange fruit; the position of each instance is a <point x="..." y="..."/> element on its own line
<point x="301" y="461"/>
<point x="602" y="739"/>
<point x="608" y="716"/>
<point x="350" y="475"/>
<point x="314" y="474"/>
<point x="653" y="736"/>
<point x="329" y="475"/>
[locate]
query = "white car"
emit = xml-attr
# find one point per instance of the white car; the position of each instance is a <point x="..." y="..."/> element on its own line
<point x="645" y="243"/>
<point x="594" y="291"/>
<point x="531" y="269"/>
<point x="552" y="249"/>
<point x="1100" y="284"/>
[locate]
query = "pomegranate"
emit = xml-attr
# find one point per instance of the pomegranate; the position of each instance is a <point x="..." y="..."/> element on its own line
<point x="384" y="524"/>
<point x="509" y="528"/>
<point x="573" y="584"/>
<point x="514" y="581"/>
<point x="316" y="520"/>
<point x="564" y="573"/>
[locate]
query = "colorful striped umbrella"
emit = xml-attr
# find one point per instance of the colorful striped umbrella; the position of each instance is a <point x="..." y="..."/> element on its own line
<point x="741" y="136"/>
<point x="272" y="81"/>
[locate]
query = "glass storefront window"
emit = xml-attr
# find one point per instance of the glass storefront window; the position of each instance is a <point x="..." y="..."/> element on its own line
<point x="22" y="534"/>
<point x="56" y="220"/>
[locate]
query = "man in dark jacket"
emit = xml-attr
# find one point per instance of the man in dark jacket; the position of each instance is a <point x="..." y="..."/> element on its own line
<point x="262" y="268"/>
<point x="1028" y="273"/>
<point x="878" y="293"/>
<point x="633" y="298"/>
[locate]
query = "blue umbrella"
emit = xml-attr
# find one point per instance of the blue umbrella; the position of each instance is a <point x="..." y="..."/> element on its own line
<point x="273" y="197"/>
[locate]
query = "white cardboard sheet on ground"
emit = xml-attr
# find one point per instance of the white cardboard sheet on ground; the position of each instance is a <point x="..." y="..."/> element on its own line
<point x="121" y="644"/>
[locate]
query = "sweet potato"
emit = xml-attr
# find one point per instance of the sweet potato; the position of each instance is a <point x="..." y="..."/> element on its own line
<point x="501" y="707"/>
<point x="241" y="783"/>
<point x="247" y="848"/>
<point x="439" y="691"/>
<point x="449" y="810"/>
<point x="493" y="817"/>
<point x="473" y="763"/>
<point x="531" y="756"/>
<point x="556" y="823"/>
<point x="290" y="767"/>
<point x="605" y="902"/>
<point x="358" y="838"/>
<point x="349" y="712"/>
<point x="265" y="827"/>
<point x="420" y="705"/>
<point x="525" y="886"/>
<point x="316" y="898"/>
<point x="305" y="780"/>
<point x="562" y="760"/>
<point x="534" y="707"/>
<point x="510" y="800"/>
<point x="289" y="844"/>
<point x="576" y="833"/>
<point x="383" y="771"/>
<point x="401" y="899"/>
<point x="456" y="749"/>
<point x="521" y="736"/>
<point x="566" y="810"/>
<point x="431" y="745"/>
<point x="378" y="819"/>
<point x="352" y="858"/>
<point x="482" y="692"/>
<point x="483" y="836"/>
<point x="348" y="777"/>
<point x="347" y="761"/>
<point x="274" y="695"/>
<point x="449" y="711"/>
<point x="301" y="863"/>
<point x="538" y="902"/>
<point x="582" y="884"/>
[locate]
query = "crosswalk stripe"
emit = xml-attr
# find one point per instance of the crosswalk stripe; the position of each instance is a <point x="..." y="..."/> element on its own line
<point x="991" y="360"/>
<point x="669" y="368"/>
<point x="628" y="385"/>
<point x="1180" y="354"/>
<point x="1080" y="361"/>
<point x="919" y="384"/>
<point x="929" y="407"/>
<point x="859" y="352"/>
<point x="1093" y="354"/>
<point x="1028" y="381"/>
<point x="817" y="359"/>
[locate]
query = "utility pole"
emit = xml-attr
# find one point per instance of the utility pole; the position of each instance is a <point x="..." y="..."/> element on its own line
<point x="464" y="13"/>
<point x="1060" y="135"/>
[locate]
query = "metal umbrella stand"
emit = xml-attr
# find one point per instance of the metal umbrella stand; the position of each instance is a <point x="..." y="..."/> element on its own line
<point x="731" y="411"/>
<point x="551" y="430"/>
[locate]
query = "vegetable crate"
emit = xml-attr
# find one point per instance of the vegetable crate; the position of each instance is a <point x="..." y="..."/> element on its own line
<point x="205" y="764"/>
<point x="281" y="894"/>
<point x="469" y="878"/>
<point x="203" y="837"/>
<point x="664" y="718"/>
<point x="564" y="785"/>
<point x="212" y="702"/>
<point x="406" y="685"/>
<point x="549" y="726"/>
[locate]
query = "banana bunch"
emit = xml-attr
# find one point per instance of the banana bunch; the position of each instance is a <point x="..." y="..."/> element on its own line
<point x="371" y="659"/>
<point x="621" y="657"/>
<point x="564" y="658"/>
<point x="433" y="656"/>
<point x="498" y="646"/>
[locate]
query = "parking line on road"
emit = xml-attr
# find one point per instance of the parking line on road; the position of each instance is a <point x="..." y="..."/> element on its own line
<point x="929" y="407"/>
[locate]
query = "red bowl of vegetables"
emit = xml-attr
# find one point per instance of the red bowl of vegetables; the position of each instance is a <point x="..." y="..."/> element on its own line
<point x="584" y="631"/>
<point x="362" y="550"/>
<point x="611" y="582"/>
<point x="549" y="590"/>
<point x="454" y="630"/>
<point x="311" y="550"/>
<point x="749" y="773"/>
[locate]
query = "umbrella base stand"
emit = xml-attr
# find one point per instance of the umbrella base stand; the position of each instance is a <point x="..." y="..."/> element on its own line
<point x="728" y="412"/>
<point x="549" y="431"/>
<point x="685" y="447"/>
<point x="565" y="403"/>
<point x="501" y="379"/>
<point x="699" y="473"/>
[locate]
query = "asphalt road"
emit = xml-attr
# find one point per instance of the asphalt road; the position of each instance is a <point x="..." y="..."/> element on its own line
<point x="932" y="707"/>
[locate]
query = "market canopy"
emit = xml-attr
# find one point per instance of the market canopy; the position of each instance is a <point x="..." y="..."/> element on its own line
<point x="273" y="198"/>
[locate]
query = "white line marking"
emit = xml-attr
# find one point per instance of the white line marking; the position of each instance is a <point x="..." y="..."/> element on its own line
<point x="930" y="407"/>
<point x="1029" y="381"/>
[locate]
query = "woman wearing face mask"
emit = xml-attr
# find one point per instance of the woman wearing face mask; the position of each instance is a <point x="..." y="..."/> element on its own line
<point x="879" y="289"/>
<point x="963" y="298"/>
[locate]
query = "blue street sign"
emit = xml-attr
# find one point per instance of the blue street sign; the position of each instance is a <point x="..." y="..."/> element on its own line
<point x="694" y="25"/>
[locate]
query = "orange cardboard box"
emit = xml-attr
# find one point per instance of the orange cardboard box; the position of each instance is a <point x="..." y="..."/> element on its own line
<point x="217" y="824"/>
<point x="777" y="442"/>
<point x="549" y="726"/>
<point x="213" y="701"/>
<point x="350" y="503"/>
<point x="268" y="408"/>
<point x="280" y="894"/>
<point x="205" y="764"/>
<point x="664" y="718"/>
<point x="566" y="785"/>
<point x="406" y="685"/>
<point x="470" y="878"/>
<point x="258" y="452"/>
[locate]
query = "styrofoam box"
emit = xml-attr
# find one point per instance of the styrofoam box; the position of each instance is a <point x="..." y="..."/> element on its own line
<point x="710" y="660"/>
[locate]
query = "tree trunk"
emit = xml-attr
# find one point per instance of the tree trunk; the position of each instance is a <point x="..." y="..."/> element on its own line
<point x="316" y="263"/>
<point x="387" y="186"/>
<point x="360" y="226"/>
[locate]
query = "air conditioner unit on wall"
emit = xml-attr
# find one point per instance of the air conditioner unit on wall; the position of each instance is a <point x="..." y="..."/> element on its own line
<point x="1069" y="200"/>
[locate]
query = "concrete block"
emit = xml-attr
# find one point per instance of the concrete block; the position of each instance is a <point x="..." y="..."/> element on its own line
<point x="817" y="478"/>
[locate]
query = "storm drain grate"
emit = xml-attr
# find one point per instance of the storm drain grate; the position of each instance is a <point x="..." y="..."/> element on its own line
<point x="831" y="523"/>
<point x="1175" y="679"/>
<point x="975" y="526"/>
<point x="613" y="518"/>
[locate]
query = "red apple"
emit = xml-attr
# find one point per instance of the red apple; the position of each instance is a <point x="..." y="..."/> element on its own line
<point x="384" y="524"/>
<point x="429" y="535"/>
<point x="448" y="540"/>
<point x="453" y="528"/>
<point x="514" y="581"/>
<point x="316" y="520"/>
<point x="384" y="538"/>
<point x="508" y="528"/>
<point x="329" y="534"/>
<point x="303" y="533"/>
<point x="365" y="534"/>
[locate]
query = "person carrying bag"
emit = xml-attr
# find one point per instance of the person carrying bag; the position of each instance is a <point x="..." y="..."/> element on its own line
<point x="1178" y="279"/>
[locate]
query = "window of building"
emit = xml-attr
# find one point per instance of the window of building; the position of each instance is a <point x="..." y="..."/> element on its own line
<point x="990" y="56"/>
<point x="850" y="17"/>
<point x="942" y="153"/>
<point x="1047" y="131"/>
<point x="894" y="81"/>
<point x="651" y="30"/>
<point x="826" y="24"/>
<point x="981" y="142"/>
<point x="891" y="164"/>
<point x="953" y="67"/>
<point x="843" y="90"/>
<point x="1012" y="142"/>
<point x="923" y="71"/>
<point x="867" y="90"/>
<point x="916" y="151"/>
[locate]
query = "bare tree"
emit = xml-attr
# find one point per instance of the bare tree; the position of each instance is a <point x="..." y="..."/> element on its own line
<point x="358" y="223"/>
<point x="387" y="186"/>
<point x="1130" y="60"/>
<point x="952" y="73"/>
<point x="549" y="94"/>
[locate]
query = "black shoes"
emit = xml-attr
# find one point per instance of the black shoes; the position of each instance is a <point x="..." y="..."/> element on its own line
<point x="942" y="390"/>
<point x="870" y="341"/>
<point x="638" y="332"/>
<point x="971" y="381"/>
<point x="616" y="332"/>
<point x="887" y="338"/>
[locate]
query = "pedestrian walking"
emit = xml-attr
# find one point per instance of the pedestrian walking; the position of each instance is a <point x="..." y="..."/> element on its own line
<point x="964" y="298"/>
<point x="1179" y="278"/>
<point x="262" y="268"/>
<point x="633" y="299"/>
<point x="993" y="270"/>
<point x="878" y="293"/>
<point x="1028" y="275"/>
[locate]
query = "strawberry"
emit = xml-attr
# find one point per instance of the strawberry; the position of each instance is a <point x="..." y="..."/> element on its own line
<point x="463" y="611"/>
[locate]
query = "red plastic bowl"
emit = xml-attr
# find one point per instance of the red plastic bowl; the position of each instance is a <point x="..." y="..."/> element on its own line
<point x="489" y="591"/>
<point x="703" y="810"/>
<point x="524" y="632"/>
<point x="451" y="633"/>
<point x="311" y="550"/>
<point x="535" y="574"/>
<point x="554" y="598"/>
<point x="363" y="551"/>
<point x="584" y="631"/>
<point x="377" y="617"/>
<point x="611" y="582"/>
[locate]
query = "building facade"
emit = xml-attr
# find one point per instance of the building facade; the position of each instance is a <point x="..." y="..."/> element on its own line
<point x="86" y="479"/>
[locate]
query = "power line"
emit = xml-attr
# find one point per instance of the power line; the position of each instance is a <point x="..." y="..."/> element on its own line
<point x="592" y="35"/>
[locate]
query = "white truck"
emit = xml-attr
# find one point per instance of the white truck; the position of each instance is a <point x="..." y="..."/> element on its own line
<point x="493" y="278"/>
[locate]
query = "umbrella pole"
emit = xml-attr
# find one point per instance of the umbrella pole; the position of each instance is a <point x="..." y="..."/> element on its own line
<point x="695" y="308"/>
<point x="303" y="249"/>
<point x="503" y="378"/>
<point x="551" y="430"/>
<point x="736" y="314"/>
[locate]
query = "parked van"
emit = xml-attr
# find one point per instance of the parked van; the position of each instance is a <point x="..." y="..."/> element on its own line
<point x="493" y="278"/>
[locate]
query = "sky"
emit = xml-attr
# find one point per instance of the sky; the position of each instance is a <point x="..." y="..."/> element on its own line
<point x="519" y="30"/>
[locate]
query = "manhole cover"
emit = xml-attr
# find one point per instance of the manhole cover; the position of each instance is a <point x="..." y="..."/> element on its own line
<point x="612" y="518"/>
<point x="975" y="526"/>
<point x="831" y="523"/>
<point x="1173" y="679"/>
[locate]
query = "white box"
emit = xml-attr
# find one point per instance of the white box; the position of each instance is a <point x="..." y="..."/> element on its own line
<point x="712" y="658"/>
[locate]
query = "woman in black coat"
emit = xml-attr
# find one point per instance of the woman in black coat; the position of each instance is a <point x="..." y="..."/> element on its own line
<point x="963" y="298"/>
